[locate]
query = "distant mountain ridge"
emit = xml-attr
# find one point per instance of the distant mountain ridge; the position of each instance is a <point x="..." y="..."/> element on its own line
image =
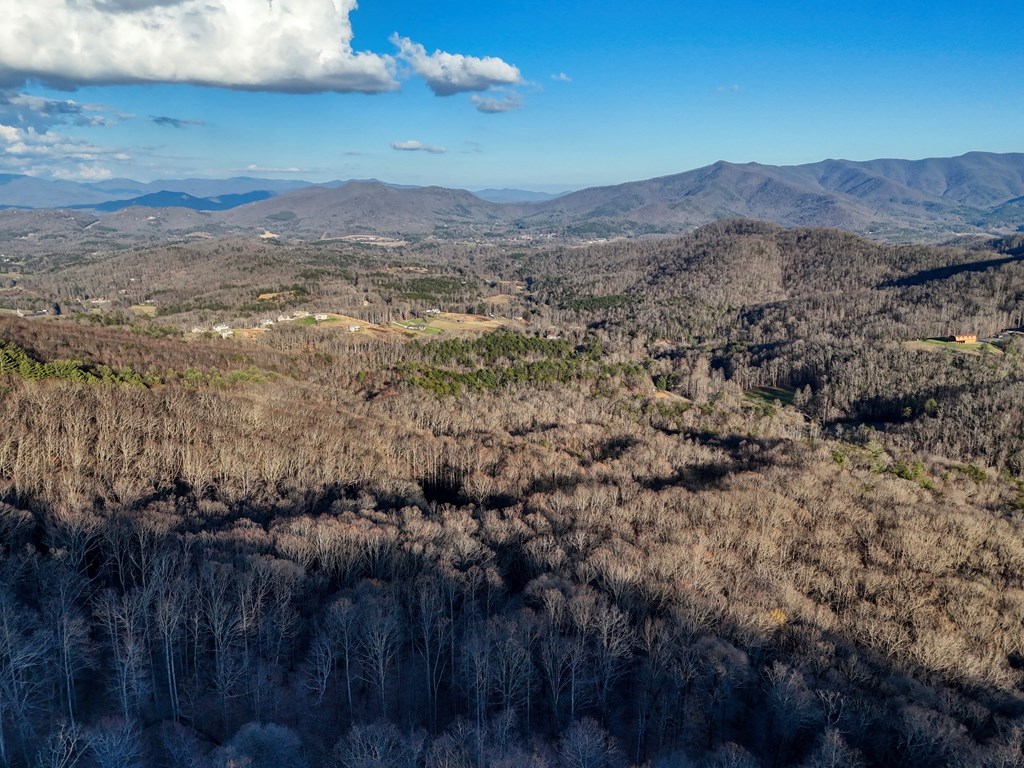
<point x="372" y="207"/>
<point x="892" y="199"/>
<point x="19" y="191"/>
<point x="166" y="199"/>
<point x="514" y="195"/>
<point x="879" y="196"/>
<point x="889" y="199"/>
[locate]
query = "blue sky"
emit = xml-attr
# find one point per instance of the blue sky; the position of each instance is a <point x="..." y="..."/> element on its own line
<point x="579" y="93"/>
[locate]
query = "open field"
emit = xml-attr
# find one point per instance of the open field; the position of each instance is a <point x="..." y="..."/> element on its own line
<point x="416" y="326"/>
<point x="936" y="345"/>
<point x="279" y="296"/>
<point x="456" y="322"/>
<point x="384" y="242"/>
<point x="670" y="397"/>
<point x="338" y="323"/>
<point x="783" y="395"/>
<point x="248" y="333"/>
<point x="499" y="299"/>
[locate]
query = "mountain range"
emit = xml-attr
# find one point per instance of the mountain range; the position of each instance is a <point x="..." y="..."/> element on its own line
<point x="929" y="199"/>
<point x="165" y="199"/>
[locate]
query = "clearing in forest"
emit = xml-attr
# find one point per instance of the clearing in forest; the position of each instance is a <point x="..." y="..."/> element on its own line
<point x="457" y="322"/>
<point x="143" y="309"/>
<point x="248" y="333"/>
<point x="671" y="397"/>
<point x="352" y="325"/>
<point x="937" y="345"/>
<point x="498" y="300"/>
<point x="278" y="296"/>
<point x="454" y="322"/>
<point x="770" y="394"/>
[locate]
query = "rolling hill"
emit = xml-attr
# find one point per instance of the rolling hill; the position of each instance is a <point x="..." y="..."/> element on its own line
<point x="372" y="207"/>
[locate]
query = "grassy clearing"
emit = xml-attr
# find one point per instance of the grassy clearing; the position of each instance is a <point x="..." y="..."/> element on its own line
<point x="417" y="326"/>
<point x="249" y="333"/>
<point x="144" y="309"/>
<point x="670" y="397"/>
<point x="770" y="394"/>
<point x="935" y="345"/>
<point x="498" y="300"/>
<point x="455" y="322"/>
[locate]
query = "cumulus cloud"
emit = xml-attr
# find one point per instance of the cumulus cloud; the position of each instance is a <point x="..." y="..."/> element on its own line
<point x="41" y="113"/>
<point x="492" y="105"/>
<point x="82" y="172"/>
<point x="562" y="77"/>
<point x="284" y="45"/>
<point x="48" y="153"/>
<point x="272" y="45"/>
<point x="450" y="73"/>
<point x="129" y="6"/>
<point x="254" y="168"/>
<point x="33" y="138"/>
<point x="417" y="146"/>
<point x="173" y="122"/>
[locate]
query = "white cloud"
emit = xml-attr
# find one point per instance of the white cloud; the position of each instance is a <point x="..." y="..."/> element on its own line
<point x="562" y="77"/>
<point x="450" y="73"/>
<point x="83" y="172"/>
<point x="253" y="168"/>
<point x="32" y="140"/>
<point x="283" y="45"/>
<point x="123" y="6"/>
<point x="24" y="110"/>
<point x="274" y="45"/>
<point x="417" y="146"/>
<point x="734" y="88"/>
<point x="492" y="105"/>
<point x="48" y="153"/>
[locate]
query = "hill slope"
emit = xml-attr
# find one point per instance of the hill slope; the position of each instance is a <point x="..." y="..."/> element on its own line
<point x="371" y="207"/>
<point x="929" y="197"/>
<point x="167" y="199"/>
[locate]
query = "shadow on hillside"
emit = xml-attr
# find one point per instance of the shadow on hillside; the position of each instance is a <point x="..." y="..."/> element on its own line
<point x="943" y="273"/>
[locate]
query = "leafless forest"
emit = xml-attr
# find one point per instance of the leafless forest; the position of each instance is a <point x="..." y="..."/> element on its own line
<point x="700" y="501"/>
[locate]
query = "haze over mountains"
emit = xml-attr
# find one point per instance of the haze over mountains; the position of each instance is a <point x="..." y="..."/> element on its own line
<point x="180" y="200"/>
<point x="927" y="199"/>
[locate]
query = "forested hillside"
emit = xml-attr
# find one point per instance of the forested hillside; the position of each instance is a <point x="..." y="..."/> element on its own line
<point x="718" y="500"/>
